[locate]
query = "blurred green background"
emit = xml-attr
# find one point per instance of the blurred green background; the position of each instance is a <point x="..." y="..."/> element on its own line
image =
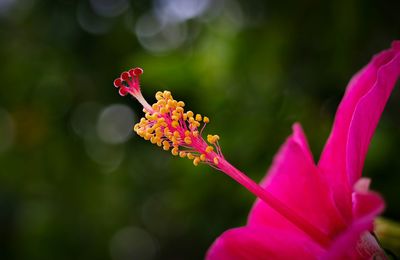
<point x="76" y="183"/>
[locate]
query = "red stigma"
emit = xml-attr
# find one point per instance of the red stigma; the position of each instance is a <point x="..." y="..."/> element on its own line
<point x="123" y="91"/>
<point x="128" y="82"/>
<point x="117" y="83"/>
<point x="137" y="71"/>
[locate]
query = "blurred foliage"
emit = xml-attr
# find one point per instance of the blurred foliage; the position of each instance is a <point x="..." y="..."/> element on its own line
<point x="389" y="234"/>
<point x="75" y="183"/>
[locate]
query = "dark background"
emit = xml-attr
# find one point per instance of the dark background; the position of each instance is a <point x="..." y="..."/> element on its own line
<point x="75" y="183"/>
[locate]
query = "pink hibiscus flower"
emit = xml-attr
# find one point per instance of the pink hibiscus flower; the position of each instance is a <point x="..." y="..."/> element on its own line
<point x="303" y="210"/>
<point x="331" y="195"/>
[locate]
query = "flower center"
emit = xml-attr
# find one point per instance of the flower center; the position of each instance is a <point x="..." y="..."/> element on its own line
<point x="168" y="125"/>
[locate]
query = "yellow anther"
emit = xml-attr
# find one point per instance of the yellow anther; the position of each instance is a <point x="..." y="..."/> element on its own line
<point x="159" y="142"/>
<point x="216" y="161"/>
<point x="185" y="116"/>
<point x="195" y="133"/>
<point x="175" y="117"/>
<point x="177" y="134"/>
<point x="153" y="140"/>
<point x="166" y="144"/>
<point x="163" y="110"/>
<point x="159" y="133"/>
<point x="182" y="154"/>
<point x="203" y="157"/>
<point x="195" y="124"/>
<point x="175" y="151"/>
<point x="209" y="149"/>
<point x="206" y="120"/>
<point x="191" y="119"/>
<point x="212" y="139"/>
<point x="159" y="95"/>
<point x="140" y="132"/>
<point x="171" y="103"/>
<point x="187" y="140"/>
<point x="196" y="161"/>
<point x="181" y="104"/>
<point x="189" y="113"/>
<point x="190" y="156"/>
<point x="167" y="94"/>
<point x="187" y="133"/>
<point x="147" y="136"/>
<point x="161" y="103"/>
<point x="175" y="124"/>
<point x="174" y="140"/>
<point x="198" y="117"/>
<point x="179" y="110"/>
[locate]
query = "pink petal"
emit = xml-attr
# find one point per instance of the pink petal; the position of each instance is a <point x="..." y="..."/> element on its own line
<point x="362" y="185"/>
<point x="249" y="243"/>
<point x="367" y="203"/>
<point x="295" y="180"/>
<point x="355" y="122"/>
<point x="355" y="242"/>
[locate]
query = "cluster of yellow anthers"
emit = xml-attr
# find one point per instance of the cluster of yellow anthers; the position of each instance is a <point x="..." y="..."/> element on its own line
<point x="168" y="125"/>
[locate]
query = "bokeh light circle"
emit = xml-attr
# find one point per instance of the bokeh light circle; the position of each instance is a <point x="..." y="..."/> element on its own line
<point x="114" y="125"/>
